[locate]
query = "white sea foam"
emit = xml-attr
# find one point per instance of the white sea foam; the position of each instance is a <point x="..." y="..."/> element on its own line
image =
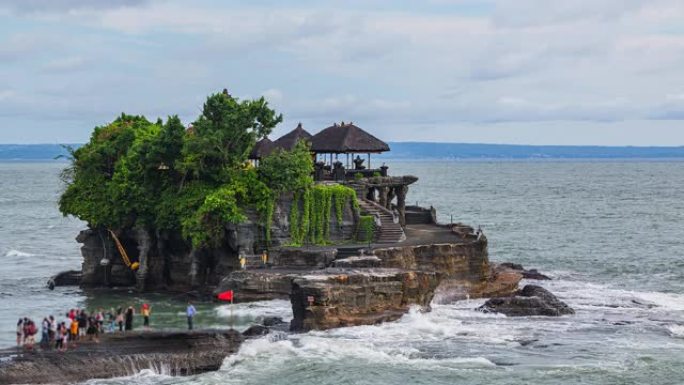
<point x="273" y="308"/>
<point x="588" y="296"/>
<point x="676" y="331"/>
<point x="17" y="253"/>
<point x="319" y="348"/>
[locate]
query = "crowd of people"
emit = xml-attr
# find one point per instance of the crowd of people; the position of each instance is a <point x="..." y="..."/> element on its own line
<point x="78" y="325"/>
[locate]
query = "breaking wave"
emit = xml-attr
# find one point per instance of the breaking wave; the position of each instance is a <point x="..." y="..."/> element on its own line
<point x="18" y="253"/>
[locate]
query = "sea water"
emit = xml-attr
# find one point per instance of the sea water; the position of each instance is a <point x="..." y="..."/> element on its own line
<point x="610" y="233"/>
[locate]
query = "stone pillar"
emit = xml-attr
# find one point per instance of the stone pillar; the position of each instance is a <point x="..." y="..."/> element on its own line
<point x="383" y="192"/>
<point x="391" y="193"/>
<point x="370" y="194"/>
<point x="401" y="203"/>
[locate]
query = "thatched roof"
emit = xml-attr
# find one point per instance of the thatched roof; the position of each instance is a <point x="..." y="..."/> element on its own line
<point x="346" y="138"/>
<point x="261" y="149"/>
<point x="288" y="141"/>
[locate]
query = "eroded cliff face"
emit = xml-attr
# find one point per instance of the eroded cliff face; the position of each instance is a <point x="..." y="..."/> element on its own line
<point x="328" y="292"/>
<point x="464" y="267"/>
<point x="167" y="261"/>
<point x="348" y="297"/>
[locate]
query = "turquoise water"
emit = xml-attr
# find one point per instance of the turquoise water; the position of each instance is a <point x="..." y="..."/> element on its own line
<point x="610" y="233"/>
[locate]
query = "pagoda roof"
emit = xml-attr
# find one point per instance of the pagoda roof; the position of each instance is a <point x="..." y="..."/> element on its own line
<point x="289" y="141"/>
<point x="346" y="138"/>
<point x="262" y="148"/>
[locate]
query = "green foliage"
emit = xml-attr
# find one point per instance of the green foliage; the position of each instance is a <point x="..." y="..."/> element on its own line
<point x="377" y="174"/>
<point x="358" y="176"/>
<point x="366" y="228"/>
<point x="311" y="212"/>
<point x="288" y="170"/>
<point x="222" y="137"/>
<point x="161" y="177"/>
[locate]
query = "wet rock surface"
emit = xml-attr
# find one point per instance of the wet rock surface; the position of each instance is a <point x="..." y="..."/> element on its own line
<point x="65" y="278"/>
<point x="526" y="274"/>
<point x="116" y="355"/>
<point x="255" y="330"/>
<point x="532" y="300"/>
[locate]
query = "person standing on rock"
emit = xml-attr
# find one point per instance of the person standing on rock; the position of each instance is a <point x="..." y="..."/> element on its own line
<point x="190" y="312"/>
<point x="74" y="330"/>
<point x="53" y="329"/>
<point x="145" y="311"/>
<point x="120" y="318"/>
<point x="45" y="333"/>
<point x="59" y="335"/>
<point x="20" y="332"/>
<point x="129" y="318"/>
<point x="82" y="320"/>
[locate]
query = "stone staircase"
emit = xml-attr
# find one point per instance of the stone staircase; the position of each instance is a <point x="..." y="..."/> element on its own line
<point x="389" y="232"/>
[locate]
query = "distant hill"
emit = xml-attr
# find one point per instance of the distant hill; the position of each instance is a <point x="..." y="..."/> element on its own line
<point x="424" y="150"/>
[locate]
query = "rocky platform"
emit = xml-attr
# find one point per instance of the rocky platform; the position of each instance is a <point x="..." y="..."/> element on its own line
<point x="348" y="297"/>
<point x="116" y="355"/>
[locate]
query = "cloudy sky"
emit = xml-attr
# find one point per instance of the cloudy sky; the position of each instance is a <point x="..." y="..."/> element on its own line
<point x="488" y="71"/>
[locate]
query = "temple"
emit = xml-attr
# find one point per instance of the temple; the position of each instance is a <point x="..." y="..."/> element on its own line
<point x="346" y="251"/>
<point x="342" y="153"/>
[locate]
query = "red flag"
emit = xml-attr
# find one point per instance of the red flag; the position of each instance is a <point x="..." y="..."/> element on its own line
<point x="226" y="295"/>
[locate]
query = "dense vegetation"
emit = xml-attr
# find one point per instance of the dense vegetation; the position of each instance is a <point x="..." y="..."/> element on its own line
<point x="312" y="209"/>
<point x="160" y="176"/>
<point x="163" y="177"/>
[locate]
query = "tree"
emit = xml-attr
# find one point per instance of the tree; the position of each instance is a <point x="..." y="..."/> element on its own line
<point x="160" y="176"/>
<point x="225" y="133"/>
<point x="288" y="170"/>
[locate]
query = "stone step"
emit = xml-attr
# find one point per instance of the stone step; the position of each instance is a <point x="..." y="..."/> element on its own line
<point x="389" y="232"/>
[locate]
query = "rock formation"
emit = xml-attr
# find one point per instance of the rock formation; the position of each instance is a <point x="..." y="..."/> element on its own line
<point x="172" y="353"/>
<point x="526" y="274"/>
<point x="348" y="297"/>
<point x="532" y="300"/>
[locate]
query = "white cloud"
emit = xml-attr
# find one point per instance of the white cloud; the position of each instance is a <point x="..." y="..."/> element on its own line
<point x="511" y="61"/>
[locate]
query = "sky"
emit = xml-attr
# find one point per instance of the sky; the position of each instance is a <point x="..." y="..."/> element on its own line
<point x="587" y="72"/>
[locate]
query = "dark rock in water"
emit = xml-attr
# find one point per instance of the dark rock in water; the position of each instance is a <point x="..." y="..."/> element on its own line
<point x="526" y="274"/>
<point x="532" y="300"/>
<point x="118" y="354"/>
<point x="272" y="321"/>
<point x="534" y="274"/>
<point x="255" y="330"/>
<point x="512" y="266"/>
<point x="65" y="278"/>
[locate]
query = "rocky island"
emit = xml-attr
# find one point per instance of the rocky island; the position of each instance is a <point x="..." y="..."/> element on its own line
<point x="218" y="206"/>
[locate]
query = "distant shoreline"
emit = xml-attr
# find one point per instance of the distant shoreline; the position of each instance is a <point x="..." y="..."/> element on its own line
<point x="427" y="151"/>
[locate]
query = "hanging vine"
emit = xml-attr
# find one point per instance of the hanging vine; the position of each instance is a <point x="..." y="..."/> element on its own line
<point x="312" y="224"/>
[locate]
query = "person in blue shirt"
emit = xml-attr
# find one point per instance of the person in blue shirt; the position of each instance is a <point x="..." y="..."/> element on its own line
<point x="190" y="311"/>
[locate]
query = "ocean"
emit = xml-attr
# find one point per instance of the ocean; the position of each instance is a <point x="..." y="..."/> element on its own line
<point x="609" y="232"/>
